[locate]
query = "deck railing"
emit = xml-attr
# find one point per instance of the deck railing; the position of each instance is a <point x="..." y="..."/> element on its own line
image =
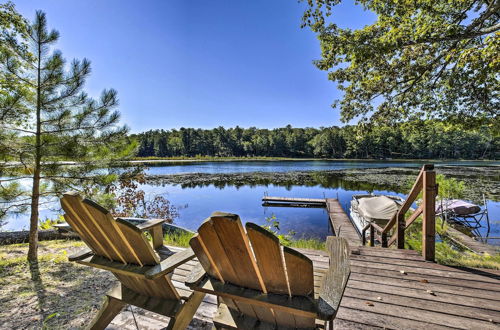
<point x="426" y="183"/>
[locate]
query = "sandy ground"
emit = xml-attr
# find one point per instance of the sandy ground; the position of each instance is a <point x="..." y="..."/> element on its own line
<point x="58" y="294"/>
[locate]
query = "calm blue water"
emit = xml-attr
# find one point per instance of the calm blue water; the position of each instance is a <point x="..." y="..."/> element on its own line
<point x="196" y="204"/>
<point x="286" y="166"/>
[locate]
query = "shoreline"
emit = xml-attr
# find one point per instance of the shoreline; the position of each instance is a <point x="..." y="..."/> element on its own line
<point x="167" y="160"/>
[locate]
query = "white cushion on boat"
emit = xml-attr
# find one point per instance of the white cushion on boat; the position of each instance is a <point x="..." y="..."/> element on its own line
<point x="379" y="207"/>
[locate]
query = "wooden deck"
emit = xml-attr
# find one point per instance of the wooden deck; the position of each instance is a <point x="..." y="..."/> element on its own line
<point x="388" y="288"/>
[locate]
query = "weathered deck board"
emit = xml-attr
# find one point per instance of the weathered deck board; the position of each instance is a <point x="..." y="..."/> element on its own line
<point x="426" y="296"/>
<point x="341" y="224"/>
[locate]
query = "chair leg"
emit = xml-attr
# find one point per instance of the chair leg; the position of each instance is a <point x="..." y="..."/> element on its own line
<point x="107" y="313"/>
<point x="185" y="314"/>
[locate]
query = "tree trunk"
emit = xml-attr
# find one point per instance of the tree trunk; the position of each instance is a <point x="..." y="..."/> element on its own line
<point x="35" y="193"/>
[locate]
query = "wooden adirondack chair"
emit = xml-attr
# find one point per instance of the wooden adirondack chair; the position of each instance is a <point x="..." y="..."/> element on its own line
<point x="261" y="284"/>
<point x="143" y="269"/>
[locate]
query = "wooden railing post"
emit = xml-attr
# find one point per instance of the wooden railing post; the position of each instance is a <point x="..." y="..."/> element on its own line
<point x="384" y="240"/>
<point x="400" y="230"/>
<point x="429" y="215"/>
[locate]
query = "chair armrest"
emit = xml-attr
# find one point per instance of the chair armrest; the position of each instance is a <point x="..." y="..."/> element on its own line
<point x="169" y="264"/>
<point x="80" y="255"/>
<point x="154" y="226"/>
<point x="113" y="266"/>
<point x="335" y="280"/>
<point x="195" y="277"/>
<point x="147" y="224"/>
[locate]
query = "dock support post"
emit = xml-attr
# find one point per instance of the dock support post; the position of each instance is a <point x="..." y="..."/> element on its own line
<point x="429" y="215"/>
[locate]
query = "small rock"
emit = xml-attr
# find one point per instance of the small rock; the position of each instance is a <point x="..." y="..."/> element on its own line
<point x="424" y="281"/>
<point x="369" y="304"/>
<point x="403" y="272"/>
<point x="431" y="292"/>
<point x="379" y="298"/>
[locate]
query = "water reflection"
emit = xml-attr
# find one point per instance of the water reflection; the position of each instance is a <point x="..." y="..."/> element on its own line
<point x="163" y="168"/>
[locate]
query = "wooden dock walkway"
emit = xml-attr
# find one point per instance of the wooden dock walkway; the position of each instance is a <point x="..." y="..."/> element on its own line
<point x="341" y="224"/>
<point x="388" y="288"/>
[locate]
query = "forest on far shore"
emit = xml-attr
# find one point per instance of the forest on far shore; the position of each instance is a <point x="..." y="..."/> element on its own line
<point x="431" y="139"/>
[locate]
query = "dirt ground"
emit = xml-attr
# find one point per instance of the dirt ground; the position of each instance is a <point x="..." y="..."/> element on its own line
<point x="53" y="293"/>
<point x="58" y="294"/>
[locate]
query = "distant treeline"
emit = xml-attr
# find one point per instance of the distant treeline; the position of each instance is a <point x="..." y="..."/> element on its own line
<point x="417" y="139"/>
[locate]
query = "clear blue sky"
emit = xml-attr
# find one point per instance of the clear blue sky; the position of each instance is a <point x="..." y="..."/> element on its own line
<point x="200" y="63"/>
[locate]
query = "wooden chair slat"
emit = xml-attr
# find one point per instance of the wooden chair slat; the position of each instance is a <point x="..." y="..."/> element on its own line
<point x="105" y="222"/>
<point x="300" y="273"/>
<point x="302" y="322"/>
<point x="142" y="248"/>
<point x="71" y="205"/>
<point x="269" y="258"/>
<point x="204" y="258"/>
<point x="216" y="252"/>
<point x="235" y="242"/>
<point x="245" y="308"/>
<point x="264" y="314"/>
<point x="284" y="319"/>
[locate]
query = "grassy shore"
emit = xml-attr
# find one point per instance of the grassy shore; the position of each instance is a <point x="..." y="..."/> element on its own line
<point x="182" y="240"/>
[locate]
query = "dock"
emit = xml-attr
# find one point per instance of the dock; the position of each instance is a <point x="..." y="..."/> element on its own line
<point x="388" y="288"/>
<point x="341" y="224"/>
<point x="339" y="221"/>
<point x="293" y="202"/>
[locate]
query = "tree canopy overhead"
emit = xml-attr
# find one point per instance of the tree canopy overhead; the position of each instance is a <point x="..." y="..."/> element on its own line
<point x="419" y="59"/>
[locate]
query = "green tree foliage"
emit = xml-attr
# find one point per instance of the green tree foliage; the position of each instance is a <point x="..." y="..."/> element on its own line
<point x="418" y="60"/>
<point x="51" y="121"/>
<point x="417" y="139"/>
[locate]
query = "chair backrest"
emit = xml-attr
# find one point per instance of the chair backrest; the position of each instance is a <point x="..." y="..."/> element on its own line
<point x="115" y="239"/>
<point x="253" y="259"/>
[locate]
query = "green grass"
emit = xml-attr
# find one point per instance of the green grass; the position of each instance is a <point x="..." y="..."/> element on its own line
<point x="448" y="253"/>
<point x="307" y="243"/>
<point x="181" y="240"/>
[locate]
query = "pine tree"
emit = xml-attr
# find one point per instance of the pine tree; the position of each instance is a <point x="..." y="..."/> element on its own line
<point x="55" y="122"/>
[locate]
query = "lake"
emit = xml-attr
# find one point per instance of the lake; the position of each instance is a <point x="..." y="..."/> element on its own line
<point x="197" y="203"/>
